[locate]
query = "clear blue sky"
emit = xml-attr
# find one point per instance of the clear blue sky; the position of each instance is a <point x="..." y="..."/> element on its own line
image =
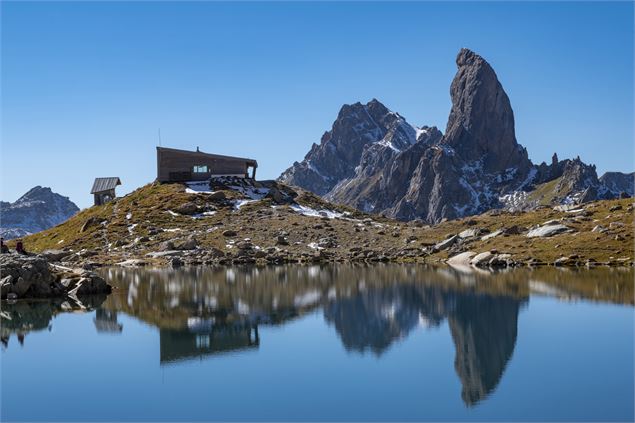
<point x="85" y="86"/>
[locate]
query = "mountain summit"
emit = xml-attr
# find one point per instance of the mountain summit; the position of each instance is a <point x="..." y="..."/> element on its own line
<point x="375" y="161"/>
<point x="38" y="209"/>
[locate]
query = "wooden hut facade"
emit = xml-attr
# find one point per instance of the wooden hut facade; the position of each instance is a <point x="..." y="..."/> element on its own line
<point x="181" y="165"/>
<point x="104" y="189"/>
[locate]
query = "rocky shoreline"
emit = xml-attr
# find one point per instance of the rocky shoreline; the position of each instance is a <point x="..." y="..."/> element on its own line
<point x="26" y="276"/>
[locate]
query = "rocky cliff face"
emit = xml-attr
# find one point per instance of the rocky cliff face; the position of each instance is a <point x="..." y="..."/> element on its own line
<point x="618" y="183"/>
<point x="373" y="160"/>
<point x="38" y="209"/>
<point x="357" y="128"/>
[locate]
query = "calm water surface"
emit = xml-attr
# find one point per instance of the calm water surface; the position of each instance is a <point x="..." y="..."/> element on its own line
<point x="326" y="343"/>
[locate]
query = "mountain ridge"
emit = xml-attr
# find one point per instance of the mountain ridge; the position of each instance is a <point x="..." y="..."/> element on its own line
<point x="38" y="209"/>
<point x="477" y="165"/>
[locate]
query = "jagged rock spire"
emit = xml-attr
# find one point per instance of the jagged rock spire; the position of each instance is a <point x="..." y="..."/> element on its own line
<point x="481" y="121"/>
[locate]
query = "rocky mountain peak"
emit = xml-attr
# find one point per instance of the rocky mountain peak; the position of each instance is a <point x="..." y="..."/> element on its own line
<point x="38" y="209"/>
<point x="358" y="127"/>
<point x="481" y="121"/>
<point x="37" y="193"/>
<point x="373" y="160"/>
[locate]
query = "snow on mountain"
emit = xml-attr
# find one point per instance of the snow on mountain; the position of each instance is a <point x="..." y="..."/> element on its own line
<point x="38" y="209"/>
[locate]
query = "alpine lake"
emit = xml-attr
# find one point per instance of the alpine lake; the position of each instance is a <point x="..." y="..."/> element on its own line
<point x="326" y="343"/>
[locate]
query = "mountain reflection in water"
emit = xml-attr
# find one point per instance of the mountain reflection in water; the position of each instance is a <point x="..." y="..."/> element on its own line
<point x="201" y="312"/>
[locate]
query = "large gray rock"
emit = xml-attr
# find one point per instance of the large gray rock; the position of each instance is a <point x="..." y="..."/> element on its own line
<point x="547" y="230"/>
<point x="481" y="259"/>
<point x="90" y="284"/>
<point x="190" y="243"/>
<point x="446" y="243"/>
<point x="54" y="255"/>
<point x="461" y="259"/>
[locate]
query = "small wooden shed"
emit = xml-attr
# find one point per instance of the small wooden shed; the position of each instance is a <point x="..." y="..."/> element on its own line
<point x="104" y="189"/>
<point x="181" y="165"/>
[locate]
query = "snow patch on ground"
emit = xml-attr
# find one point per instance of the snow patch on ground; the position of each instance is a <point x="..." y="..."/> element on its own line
<point x="204" y="214"/>
<point x="239" y="203"/>
<point x="308" y="211"/>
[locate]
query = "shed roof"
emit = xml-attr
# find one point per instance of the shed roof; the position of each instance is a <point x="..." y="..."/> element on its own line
<point x="251" y="162"/>
<point x="105" y="184"/>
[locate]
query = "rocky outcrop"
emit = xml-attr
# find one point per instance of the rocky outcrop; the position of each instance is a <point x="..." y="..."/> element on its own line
<point x="32" y="277"/>
<point x="38" y="209"/>
<point x="481" y="121"/>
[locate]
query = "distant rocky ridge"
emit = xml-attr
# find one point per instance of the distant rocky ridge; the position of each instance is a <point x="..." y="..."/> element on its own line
<point x="375" y="161"/>
<point x="37" y="210"/>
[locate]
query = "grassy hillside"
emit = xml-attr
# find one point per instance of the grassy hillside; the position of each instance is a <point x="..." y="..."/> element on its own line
<point x="143" y="220"/>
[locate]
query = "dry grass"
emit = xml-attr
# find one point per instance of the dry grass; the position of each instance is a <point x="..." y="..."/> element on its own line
<point x="148" y="208"/>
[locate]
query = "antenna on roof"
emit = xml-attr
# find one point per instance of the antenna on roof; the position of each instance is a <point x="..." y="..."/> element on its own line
<point x="159" y="137"/>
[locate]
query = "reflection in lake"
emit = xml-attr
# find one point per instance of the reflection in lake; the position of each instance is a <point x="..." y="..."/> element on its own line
<point x="201" y="313"/>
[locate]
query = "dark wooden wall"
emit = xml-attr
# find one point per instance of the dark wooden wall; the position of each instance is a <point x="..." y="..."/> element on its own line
<point x="176" y="165"/>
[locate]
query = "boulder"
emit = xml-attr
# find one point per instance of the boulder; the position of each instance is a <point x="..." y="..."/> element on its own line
<point x="481" y="259"/>
<point x="54" y="255"/>
<point x="6" y="284"/>
<point x="217" y="196"/>
<point x="492" y="235"/>
<point x="91" y="221"/>
<point x="461" y="259"/>
<point x="470" y="233"/>
<point x="446" y="243"/>
<point x="188" y="208"/>
<point x="132" y="263"/>
<point x="501" y="260"/>
<point x="229" y="233"/>
<point x="166" y="246"/>
<point x="190" y="243"/>
<point x="547" y="230"/>
<point x="513" y="230"/>
<point x="90" y="284"/>
<point x="598" y="228"/>
<point x="21" y="287"/>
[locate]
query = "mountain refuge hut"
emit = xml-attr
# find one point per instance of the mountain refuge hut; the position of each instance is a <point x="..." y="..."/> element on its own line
<point x="104" y="189"/>
<point x="175" y="165"/>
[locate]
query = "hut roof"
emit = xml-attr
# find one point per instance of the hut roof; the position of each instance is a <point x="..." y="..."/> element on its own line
<point x="251" y="162"/>
<point x="105" y="184"/>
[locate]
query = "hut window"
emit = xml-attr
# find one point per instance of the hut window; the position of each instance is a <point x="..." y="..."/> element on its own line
<point x="200" y="169"/>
